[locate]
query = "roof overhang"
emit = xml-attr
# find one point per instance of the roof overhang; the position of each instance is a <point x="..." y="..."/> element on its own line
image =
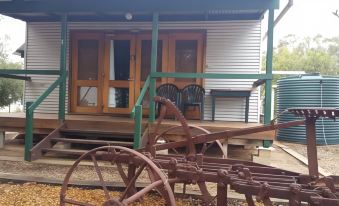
<point x="20" y="51"/>
<point x="46" y="10"/>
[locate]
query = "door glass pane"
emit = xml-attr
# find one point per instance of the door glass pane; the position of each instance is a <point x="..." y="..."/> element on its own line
<point x="87" y="96"/>
<point x="118" y="97"/>
<point x="119" y="60"/>
<point x="146" y="50"/>
<point x="88" y="59"/>
<point x="186" y="58"/>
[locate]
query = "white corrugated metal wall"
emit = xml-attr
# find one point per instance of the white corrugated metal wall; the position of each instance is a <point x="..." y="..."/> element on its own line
<point x="42" y="52"/>
<point x="231" y="47"/>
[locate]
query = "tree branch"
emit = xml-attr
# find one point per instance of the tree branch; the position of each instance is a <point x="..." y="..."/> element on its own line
<point x="336" y="13"/>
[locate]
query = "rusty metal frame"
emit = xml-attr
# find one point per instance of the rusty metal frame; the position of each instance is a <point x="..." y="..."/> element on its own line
<point x="248" y="178"/>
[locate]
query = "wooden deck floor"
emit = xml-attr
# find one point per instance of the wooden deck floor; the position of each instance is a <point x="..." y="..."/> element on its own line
<point x="45" y="123"/>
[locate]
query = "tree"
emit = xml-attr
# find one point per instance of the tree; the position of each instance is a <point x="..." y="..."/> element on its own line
<point x="10" y="90"/>
<point x="309" y="54"/>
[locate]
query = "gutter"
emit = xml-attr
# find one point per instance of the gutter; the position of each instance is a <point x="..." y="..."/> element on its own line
<point x="281" y="15"/>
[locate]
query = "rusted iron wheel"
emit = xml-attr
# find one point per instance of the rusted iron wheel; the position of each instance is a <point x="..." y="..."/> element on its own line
<point x="205" y="147"/>
<point x="136" y="165"/>
<point x="168" y="106"/>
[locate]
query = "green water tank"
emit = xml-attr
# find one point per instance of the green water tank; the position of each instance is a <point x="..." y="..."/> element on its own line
<point x="309" y="90"/>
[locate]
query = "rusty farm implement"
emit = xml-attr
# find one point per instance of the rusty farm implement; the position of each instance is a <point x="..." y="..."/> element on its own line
<point x="165" y="171"/>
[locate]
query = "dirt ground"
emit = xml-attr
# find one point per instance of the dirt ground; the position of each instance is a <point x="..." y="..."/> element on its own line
<point x="328" y="156"/>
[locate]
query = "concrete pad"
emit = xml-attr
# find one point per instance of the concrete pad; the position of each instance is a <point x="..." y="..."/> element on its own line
<point x="263" y="156"/>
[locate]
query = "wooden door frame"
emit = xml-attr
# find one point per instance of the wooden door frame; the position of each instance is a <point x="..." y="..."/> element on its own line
<point x="75" y="37"/>
<point x="168" y="62"/>
<point x="119" y="83"/>
<point x="164" y="68"/>
<point x="200" y="37"/>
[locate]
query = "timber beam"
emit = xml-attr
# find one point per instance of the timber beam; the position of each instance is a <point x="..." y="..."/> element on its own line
<point x="65" y="6"/>
<point x="210" y="75"/>
<point x="12" y="76"/>
<point x="35" y="71"/>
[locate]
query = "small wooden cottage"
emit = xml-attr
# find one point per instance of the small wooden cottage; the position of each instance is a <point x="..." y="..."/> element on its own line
<point x="95" y="57"/>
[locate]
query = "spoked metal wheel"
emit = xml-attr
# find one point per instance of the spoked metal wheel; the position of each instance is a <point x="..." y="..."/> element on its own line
<point x="205" y="197"/>
<point x="196" y="130"/>
<point x="135" y="163"/>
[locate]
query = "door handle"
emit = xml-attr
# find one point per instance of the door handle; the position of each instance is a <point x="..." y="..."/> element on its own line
<point x="130" y="79"/>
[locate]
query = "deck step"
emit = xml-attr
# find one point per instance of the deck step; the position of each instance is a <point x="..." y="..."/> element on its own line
<point x="96" y="133"/>
<point x="76" y="152"/>
<point x="77" y="138"/>
<point x="93" y="142"/>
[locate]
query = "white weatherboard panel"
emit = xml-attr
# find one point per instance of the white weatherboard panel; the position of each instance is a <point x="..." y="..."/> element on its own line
<point x="231" y="47"/>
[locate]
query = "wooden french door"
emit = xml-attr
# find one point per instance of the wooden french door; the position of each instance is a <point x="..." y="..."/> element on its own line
<point x="119" y="78"/>
<point x="185" y="56"/>
<point x="103" y="69"/>
<point x="143" y="62"/>
<point x="109" y="70"/>
<point x="87" y="69"/>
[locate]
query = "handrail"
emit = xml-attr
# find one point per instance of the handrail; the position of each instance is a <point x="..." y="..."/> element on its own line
<point x="210" y="75"/>
<point x="30" y="107"/>
<point x="30" y="71"/>
<point x="136" y="114"/>
<point x="45" y="94"/>
<point x="142" y="94"/>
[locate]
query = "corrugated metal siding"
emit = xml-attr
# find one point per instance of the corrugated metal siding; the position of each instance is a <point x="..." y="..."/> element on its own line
<point x="231" y="47"/>
<point x="42" y="52"/>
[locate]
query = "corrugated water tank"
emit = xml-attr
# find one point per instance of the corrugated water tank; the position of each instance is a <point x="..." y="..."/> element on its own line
<point x="309" y="90"/>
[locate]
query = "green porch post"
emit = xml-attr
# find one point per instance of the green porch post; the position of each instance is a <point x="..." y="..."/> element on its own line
<point x="137" y="126"/>
<point x="28" y="132"/>
<point x="155" y="28"/>
<point x="63" y="64"/>
<point x="269" y="68"/>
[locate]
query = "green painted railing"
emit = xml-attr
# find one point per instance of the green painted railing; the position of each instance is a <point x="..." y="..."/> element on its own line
<point x="142" y="95"/>
<point x="30" y="71"/>
<point x="210" y="75"/>
<point x="30" y="107"/>
<point x="136" y="114"/>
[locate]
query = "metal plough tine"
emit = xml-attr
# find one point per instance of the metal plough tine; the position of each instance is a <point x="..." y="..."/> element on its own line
<point x="132" y="181"/>
<point x="249" y="200"/>
<point x="207" y="198"/>
<point x="98" y="171"/>
<point x="121" y="170"/>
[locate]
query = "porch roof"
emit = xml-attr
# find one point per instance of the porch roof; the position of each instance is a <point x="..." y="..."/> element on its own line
<point x="114" y="10"/>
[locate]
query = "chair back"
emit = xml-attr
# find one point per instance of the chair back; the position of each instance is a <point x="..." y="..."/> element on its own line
<point x="192" y="93"/>
<point x="169" y="91"/>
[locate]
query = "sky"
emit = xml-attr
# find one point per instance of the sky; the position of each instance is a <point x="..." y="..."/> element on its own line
<point x="305" y="18"/>
<point x="308" y="18"/>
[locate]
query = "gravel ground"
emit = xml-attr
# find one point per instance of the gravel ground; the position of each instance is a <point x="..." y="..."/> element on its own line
<point x="51" y="171"/>
<point x="32" y="194"/>
<point x="328" y="156"/>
